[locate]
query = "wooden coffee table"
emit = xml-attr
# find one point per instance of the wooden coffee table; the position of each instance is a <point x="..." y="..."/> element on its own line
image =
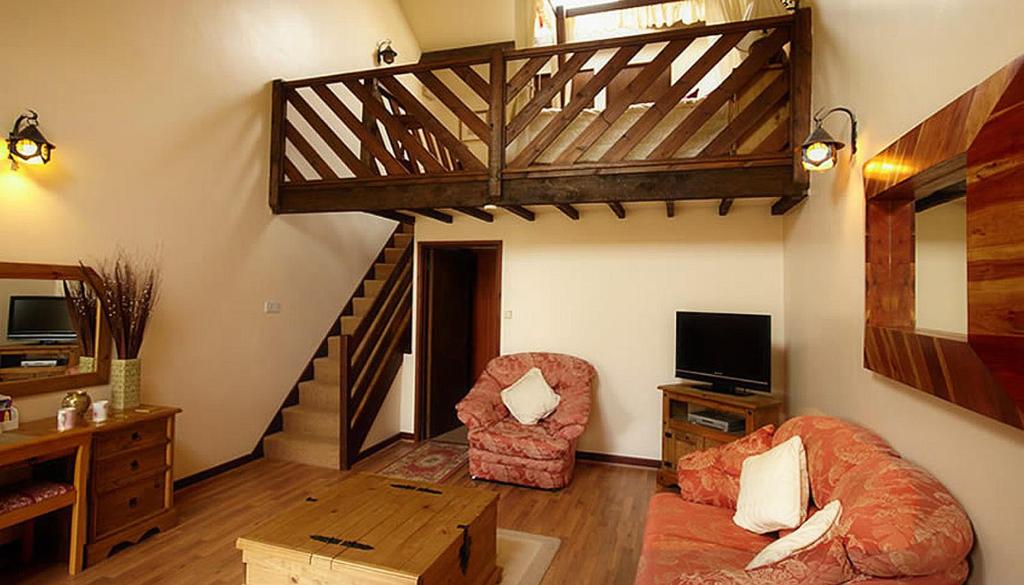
<point x="377" y="530"/>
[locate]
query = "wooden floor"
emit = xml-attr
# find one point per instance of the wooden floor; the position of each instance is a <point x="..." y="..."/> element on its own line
<point x="599" y="518"/>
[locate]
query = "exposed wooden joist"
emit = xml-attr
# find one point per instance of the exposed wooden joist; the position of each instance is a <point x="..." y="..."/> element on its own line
<point x="670" y="208"/>
<point x="434" y="214"/>
<point x="784" y="204"/>
<point x="569" y="211"/>
<point x="395" y="216"/>
<point x="521" y="212"/>
<point x="724" y="207"/>
<point x="471" y="189"/>
<point x="477" y="213"/>
<point x="617" y="209"/>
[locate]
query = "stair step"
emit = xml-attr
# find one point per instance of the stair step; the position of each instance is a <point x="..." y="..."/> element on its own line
<point x="333" y="346"/>
<point x="349" y="324"/>
<point x="317" y="395"/>
<point x="327" y="370"/>
<point x="383" y="271"/>
<point x="391" y="255"/>
<point x="300" y="420"/>
<point x="360" y="305"/>
<point x="371" y="288"/>
<point x="304" y="449"/>
<point x="401" y="241"/>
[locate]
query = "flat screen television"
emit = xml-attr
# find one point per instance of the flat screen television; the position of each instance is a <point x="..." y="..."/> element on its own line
<point x="39" y="318"/>
<point x="731" y="351"/>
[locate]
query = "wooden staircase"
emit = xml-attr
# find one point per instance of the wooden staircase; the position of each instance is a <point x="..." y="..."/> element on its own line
<point x="355" y="367"/>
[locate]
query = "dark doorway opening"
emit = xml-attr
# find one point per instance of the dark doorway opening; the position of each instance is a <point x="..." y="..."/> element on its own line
<point x="458" y="325"/>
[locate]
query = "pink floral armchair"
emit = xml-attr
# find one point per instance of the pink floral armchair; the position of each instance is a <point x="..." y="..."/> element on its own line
<point x="541" y="455"/>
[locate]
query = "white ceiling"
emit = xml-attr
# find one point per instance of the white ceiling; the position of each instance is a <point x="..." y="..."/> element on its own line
<point x="447" y="24"/>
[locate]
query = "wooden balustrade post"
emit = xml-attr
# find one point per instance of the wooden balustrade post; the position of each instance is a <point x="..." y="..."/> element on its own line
<point x="344" y="422"/>
<point x="277" y="114"/>
<point x="800" y="90"/>
<point x="496" y="113"/>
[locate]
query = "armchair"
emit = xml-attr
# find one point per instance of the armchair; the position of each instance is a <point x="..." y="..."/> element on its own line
<point x="541" y="455"/>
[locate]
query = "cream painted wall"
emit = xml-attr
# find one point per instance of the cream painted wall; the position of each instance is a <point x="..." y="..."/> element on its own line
<point x="607" y="290"/>
<point x="159" y="111"/>
<point x="895" y="63"/>
<point x="448" y="24"/>
<point x="940" y="238"/>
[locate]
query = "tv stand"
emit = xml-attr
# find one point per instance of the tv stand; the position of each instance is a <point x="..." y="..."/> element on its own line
<point x="725" y="389"/>
<point x="681" y="437"/>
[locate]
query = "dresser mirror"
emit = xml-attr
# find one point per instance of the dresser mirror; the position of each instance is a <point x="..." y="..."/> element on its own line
<point x="52" y="333"/>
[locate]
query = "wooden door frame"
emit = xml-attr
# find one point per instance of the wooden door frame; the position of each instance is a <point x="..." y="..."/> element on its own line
<point x="419" y="416"/>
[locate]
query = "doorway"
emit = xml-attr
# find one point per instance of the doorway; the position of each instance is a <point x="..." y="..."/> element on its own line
<point x="458" y="324"/>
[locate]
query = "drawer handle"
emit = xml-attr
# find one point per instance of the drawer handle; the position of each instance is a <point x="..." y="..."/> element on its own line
<point x="136" y="436"/>
<point x="133" y="502"/>
<point x="668" y="435"/>
<point x="134" y="465"/>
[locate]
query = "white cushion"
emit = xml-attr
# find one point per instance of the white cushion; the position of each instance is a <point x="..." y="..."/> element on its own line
<point x="530" y="398"/>
<point x="808" y="535"/>
<point x="773" y="489"/>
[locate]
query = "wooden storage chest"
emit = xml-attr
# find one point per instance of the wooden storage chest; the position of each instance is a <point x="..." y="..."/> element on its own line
<point x="373" y="530"/>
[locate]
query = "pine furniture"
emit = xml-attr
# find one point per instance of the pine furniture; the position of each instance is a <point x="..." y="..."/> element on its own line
<point x="680" y="437"/>
<point x="131" y="493"/>
<point x="11" y="356"/>
<point x="380" y="530"/>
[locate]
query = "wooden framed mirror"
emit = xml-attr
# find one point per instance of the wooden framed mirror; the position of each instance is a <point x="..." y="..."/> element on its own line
<point x="963" y="166"/>
<point x="53" y="335"/>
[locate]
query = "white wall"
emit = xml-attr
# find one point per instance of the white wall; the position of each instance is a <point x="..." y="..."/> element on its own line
<point x="940" y="262"/>
<point x="160" y="112"/>
<point x="607" y="290"/>
<point x="448" y="24"/>
<point x="895" y="63"/>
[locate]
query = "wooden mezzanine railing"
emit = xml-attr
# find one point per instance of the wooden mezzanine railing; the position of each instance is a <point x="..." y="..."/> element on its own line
<point x="520" y="127"/>
<point x="370" y="357"/>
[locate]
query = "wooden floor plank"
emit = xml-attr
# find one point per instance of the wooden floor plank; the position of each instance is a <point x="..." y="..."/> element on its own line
<point x="599" y="518"/>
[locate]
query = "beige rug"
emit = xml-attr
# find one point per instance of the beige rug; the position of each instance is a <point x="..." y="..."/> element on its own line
<point x="524" y="557"/>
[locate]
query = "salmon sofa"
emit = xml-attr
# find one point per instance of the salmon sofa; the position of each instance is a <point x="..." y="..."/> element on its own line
<point x="899" y="525"/>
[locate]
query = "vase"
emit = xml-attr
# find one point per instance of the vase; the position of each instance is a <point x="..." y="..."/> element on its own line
<point x="125" y="380"/>
<point x="79" y="400"/>
<point x="86" y="365"/>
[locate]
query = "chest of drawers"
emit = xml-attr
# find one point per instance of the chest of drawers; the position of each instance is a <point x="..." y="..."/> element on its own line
<point x="131" y="492"/>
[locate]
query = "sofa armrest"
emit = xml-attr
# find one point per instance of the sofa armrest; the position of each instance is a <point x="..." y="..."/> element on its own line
<point x="570" y="418"/>
<point x="712" y="476"/>
<point x="482" y="407"/>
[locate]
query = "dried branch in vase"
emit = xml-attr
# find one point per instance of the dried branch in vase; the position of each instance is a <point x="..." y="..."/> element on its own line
<point x="129" y="290"/>
<point x="82" y="301"/>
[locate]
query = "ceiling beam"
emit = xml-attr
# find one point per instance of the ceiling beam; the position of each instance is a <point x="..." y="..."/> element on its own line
<point x="941" y="196"/>
<point x="617" y="209"/>
<point x="724" y="207"/>
<point x="395" y="216"/>
<point x="434" y="214"/>
<point x="520" y="211"/>
<point x="477" y="213"/>
<point x="670" y="208"/>
<point x="569" y="211"/>
<point x="784" y="204"/>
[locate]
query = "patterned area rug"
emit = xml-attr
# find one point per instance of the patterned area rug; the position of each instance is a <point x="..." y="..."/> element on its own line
<point x="430" y="462"/>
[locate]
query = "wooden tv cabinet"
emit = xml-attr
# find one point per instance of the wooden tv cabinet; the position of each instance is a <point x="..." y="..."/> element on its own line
<point x="681" y="437"/>
<point x="66" y="352"/>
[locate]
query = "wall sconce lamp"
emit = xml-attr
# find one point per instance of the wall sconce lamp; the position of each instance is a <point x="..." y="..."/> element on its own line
<point x="385" y="53"/>
<point x="26" y="144"/>
<point x="820" y="151"/>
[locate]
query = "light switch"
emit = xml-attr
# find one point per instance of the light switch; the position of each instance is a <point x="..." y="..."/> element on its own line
<point x="508" y="314"/>
<point x="271" y="307"/>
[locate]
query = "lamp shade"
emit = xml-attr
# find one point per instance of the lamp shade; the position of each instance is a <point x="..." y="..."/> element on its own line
<point x="26" y="144"/>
